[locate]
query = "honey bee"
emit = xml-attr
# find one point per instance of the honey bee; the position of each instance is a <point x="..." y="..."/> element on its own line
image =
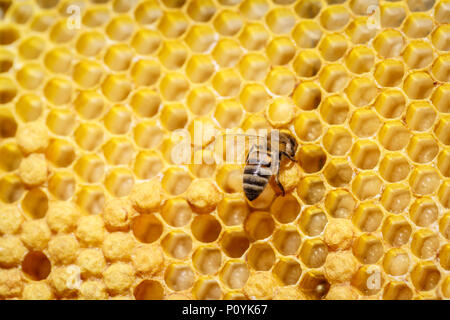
<point x="263" y="162"/>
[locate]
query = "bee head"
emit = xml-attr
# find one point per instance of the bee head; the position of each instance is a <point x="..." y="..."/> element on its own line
<point x="291" y="143"/>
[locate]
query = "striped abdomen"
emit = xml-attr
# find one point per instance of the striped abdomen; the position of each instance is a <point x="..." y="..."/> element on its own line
<point x="257" y="173"/>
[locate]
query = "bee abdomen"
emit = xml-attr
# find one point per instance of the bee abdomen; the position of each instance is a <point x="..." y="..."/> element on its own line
<point x="252" y="191"/>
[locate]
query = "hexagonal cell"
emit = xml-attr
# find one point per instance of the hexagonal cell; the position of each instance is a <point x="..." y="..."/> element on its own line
<point x="11" y="156"/>
<point x="259" y="225"/>
<point x="307" y="95"/>
<point x="418" y="25"/>
<point x="394" y="167"/>
<point x="424" y="211"/>
<point x="173" y="24"/>
<point x="89" y="104"/>
<point x="307" y="63"/>
<point x="280" y="50"/>
<point x="311" y="158"/>
<point x="88" y="43"/>
<point x="29" y="76"/>
<point x="227" y="82"/>
<point x="361" y="91"/>
<point x="118" y="151"/>
<point x="7" y="90"/>
<point x="394" y="135"/>
<point x="368" y="249"/>
<point x="390" y="103"/>
<point x="312" y="221"/>
<point x="232" y="211"/>
<point x="29" y="107"/>
<point x="314" y="285"/>
<point x="308" y="126"/>
<point x="280" y="81"/>
<point x="147" y="134"/>
<point x="369" y="280"/>
<point x="147" y="228"/>
<point x="228" y="113"/>
<point x="364" y="123"/>
<point x="35" y="203"/>
<point x="227" y="52"/>
<point x="359" y="30"/>
<point x="418" y="54"/>
<point x="177" y="244"/>
<point x="334" y="17"/>
<point x="175" y="180"/>
<point x="287" y="240"/>
<point x="337" y="141"/>
<point x="340" y="203"/>
<point x="91" y="199"/>
<point x="118" y="57"/>
<point x="396" y="197"/>
<point x="176" y="212"/>
<point x="199" y="68"/>
<point x="397" y="290"/>
<point x="234" y="243"/>
<point x="441" y="97"/>
<point x="314" y="252"/>
<point x="229" y="178"/>
<point x="389" y="72"/>
<point x="443" y="162"/>
<point x="425" y="276"/>
<point x="307" y="34"/>
<point x="254" y="36"/>
<point x="205" y="228"/>
<point x="396" y="262"/>
<point x="424" y="180"/>
<point x="119" y="182"/>
<point x="207" y="289"/>
<point x="366" y="185"/>
<point x="392" y="15"/>
<point x="425" y="244"/>
<point x="440" y="68"/>
<point x="62" y="184"/>
<point x="36" y="266"/>
<point x="285" y="209"/>
<point x="288" y="271"/>
<point x="173" y="86"/>
<point x="444" y="256"/>
<point x="368" y="217"/>
<point x="261" y="257"/>
<point x="235" y="274"/>
<point x="207" y="260"/>
<point x="228" y="23"/>
<point x="389" y="43"/>
<point x="334" y="109"/>
<point x="418" y="85"/>
<point x="338" y="172"/>
<point x="365" y="154"/>
<point x="333" y="46"/>
<point x="423" y="148"/>
<point x="146" y="41"/>
<point x="333" y="77"/>
<point x="200" y="38"/>
<point x="444" y="226"/>
<point x="90" y="168"/>
<point x="179" y="277"/>
<point x="396" y="230"/>
<point x="360" y="59"/>
<point x="442" y="130"/>
<point x="280" y="20"/>
<point x="201" y="11"/>
<point x="145" y="72"/>
<point x="89" y="136"/>
<point x="149" y="290"/>
<point x="311" y="189"/>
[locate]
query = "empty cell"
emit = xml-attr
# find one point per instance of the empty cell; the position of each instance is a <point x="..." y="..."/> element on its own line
<point x="311" y="158"/>
<point x="147" y="228"/>
<point x="368" y="216"/>
<point x="149" y="290"/>
<point x="36" y="265"/>
<point x="35" y="203"/>
<point x="285" y="209"/>
<point x="205" y="228"/>
<point x="234" y="243"/>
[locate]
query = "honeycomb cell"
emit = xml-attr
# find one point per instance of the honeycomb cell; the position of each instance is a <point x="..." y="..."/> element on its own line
<point x="177" y="244"/>
<point x="261" y="257"/>
<point x="280" y="20"/>
<point x="418" y="54"/>
<point x="418" y="85"/>
<point x="311" y="158"/>
<point x="61" y="153"/>
<point x="119" y="182"/>
<point x="287" y="240"/>
<point x="368" y="249"/>
<point x="440" y="37"/>
<point x="395" y="197"/>
<point x="201" y="100"/>
<point x="89" y="44"/>
<point x="422" y="148"/>
<point x="176" y="212"/>
<point x="95" y="17"/>
<point x="253" y="66"/>
<point x="314" y="284"/>
<point x="87" y="73"/>
<point x="307" y="95"/>
<point x="146" y="42"/>
<point x="207" y="289"/>
<point x="228" y="23"/>
<point x="116" y="87"/>
<point x="334" y="18"/>
<point x="361" y="30"/>
<point x="440" y="98"/>
<point x="200" y="10"/>
<point x="425" y="244"/>
<point x="366" y="185"/>
<point x="444" y="256"/>
<point x="173" y="86"/>
<point x="333" y="78"/>
<point x="443" y="163"/>
<point x="389" y="73"/>
<point x="176" y="180"/>
<point x="423" y="212"/>
<point x="280" y="50"/>
<point x="311" y="190"/>
<point x="425" y="276"/>
<point x="62" y="185"/>
<point x="149" y="290"/>
<point x="308" y="63"/>
<point x="307" y="34"/>
<point x="232" y="211"/>
<point x="389" y="43"/>
<point x="227" y="52"/>
<point x="313" y="253"/>
<point x="120" y="28"/>
<point x="90" y="168"/>
<point x="62" y="31"/>
<point x="31" y="48"/>
<point x="288" y="271"/>
<point x="35" y="203"/>
<point x="254" y="37"/>
<point x="235" y="274"/>
<point x="259" y="225"/>
<point x="337" y="141"/>
<point x="308" y="126"/>
<point x="394" y="167"/>
<point x="227" y="82"/>
<point x="207" y="260"/>
<point x="441" y="67"/>
<point x="368" y="217"/>
<point x="313" y="221"/>
<point x="234" y="243"/>
<point x="179" y="277"/>
<point x="441" y="12"/>
<point x="308" y="9"/>
<point x="360" y="59"/>
<point x="369" y="280"/>
<point x="364" y="123"/>
<point x="280" y="112"/>
<point x="396" y="262"/>
<point x="339" y="203"/>
<point x="392" y="15"/>
<point x="11" y="188"/>
<point x="89" y="104"/>
<point x="36" y="265"/>
<point x="118" y="151"/>
<point x="206" y="228"/>
<point x="199" y="69"/>
<point x="228" y="113"/>
<point x="11" y="156"/>
<point x="61" y="122"/>
<point x="418" y="25"/>
<point x="334" y="109"/>
<point x="333" y="46"/>
<point x="396" y="230"/>
<point x="147" y="228"/>
<point x="91" y="199"/>
<point x="394" y="135"/>
<point x="118" y="57"/>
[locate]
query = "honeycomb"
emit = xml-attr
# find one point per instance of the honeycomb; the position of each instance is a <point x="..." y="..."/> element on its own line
<point x="93" y="93"/>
